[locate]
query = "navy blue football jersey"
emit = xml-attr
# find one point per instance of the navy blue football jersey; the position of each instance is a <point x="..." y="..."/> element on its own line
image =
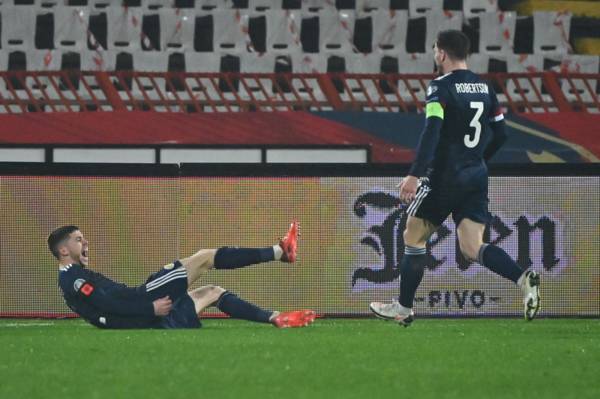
<point x="103" y="302"/>
<point x="467" y="105"/>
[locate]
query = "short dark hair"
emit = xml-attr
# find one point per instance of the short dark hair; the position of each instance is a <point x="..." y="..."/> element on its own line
<point x="455" y="43"/>
<point x="58" y="236"/>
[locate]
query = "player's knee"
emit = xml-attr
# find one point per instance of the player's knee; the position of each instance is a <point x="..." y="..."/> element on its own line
<point x="411" y="239"/>
<point x="470" y="250"/>
<point x="215" y="292"/>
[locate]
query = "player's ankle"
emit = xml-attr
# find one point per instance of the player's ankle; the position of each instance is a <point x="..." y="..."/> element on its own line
<point x="277" y="251"/>
<point x="521" y="280"/>
<point x="273" y="316"/>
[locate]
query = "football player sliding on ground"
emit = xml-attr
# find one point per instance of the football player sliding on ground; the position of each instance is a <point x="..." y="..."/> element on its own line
<point x="164" y="301"/>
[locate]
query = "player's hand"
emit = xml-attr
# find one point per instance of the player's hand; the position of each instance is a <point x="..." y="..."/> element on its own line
<point x="162" y="306"/>
<point x="408" y="189"/>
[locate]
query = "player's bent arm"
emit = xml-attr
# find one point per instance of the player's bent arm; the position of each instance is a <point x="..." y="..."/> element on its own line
<point x="498" y="139"/>
<point x="430" y="137"/>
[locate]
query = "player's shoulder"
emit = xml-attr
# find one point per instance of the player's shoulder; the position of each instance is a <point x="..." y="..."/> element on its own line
<point x="437" y="87"/>
<point x="69" y="273"/>
<point x="70" y="268"/>
<point x="442" y="79"/>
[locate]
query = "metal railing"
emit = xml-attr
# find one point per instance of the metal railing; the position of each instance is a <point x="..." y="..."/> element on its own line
<point x="83" y="91"/>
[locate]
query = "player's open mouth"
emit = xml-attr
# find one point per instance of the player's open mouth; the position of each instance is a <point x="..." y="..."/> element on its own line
<point x="84" y="254"/>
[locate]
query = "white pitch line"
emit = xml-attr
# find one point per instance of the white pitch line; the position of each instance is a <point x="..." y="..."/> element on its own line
<point x="17" y="325"/>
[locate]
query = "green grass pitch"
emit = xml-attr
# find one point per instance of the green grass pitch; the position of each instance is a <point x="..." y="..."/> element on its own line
<point x="334" y="358"/>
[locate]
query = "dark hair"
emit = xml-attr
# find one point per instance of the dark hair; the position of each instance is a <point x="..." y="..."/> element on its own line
<point x="58" y="236"/>
<point x="455" y="43"/>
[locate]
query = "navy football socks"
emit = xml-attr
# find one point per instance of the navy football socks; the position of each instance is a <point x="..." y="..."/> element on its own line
<point x="411" y="273"/>
<point x="498" y="261"/>
<point x="237" y="308"/>
<point x="233" y="258"/>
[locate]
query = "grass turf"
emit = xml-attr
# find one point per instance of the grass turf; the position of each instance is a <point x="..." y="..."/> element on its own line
<point x="363" y="358"/>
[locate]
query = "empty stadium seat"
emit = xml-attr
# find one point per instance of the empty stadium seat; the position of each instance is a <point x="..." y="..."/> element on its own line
<point x="437" y="21"/>
<point x="231" y="30"/>
<point x="257" y="63"/>
<point x="368" y="90"/>
<point x="18" y="27"/>
<point x="418" y="8"/>
<point x="49" y="3"/>
<point x="124" y="28"/>
<point x="202" y="62"/>
<point x="177" y="29"/>
<point x="149" y="61"/>
<point x="479" y="63"/>
<point x="283" y="31"/>
<point x="98" y="60"/>
<point x="156" y="5"/>
<point x="151" y="34"/>
<point x="309" y="63"/>
<point x="336" y="29"/>
<point x="263" y="5"/>
<point x="578" y="64"/>
<point x="97" y="27"/>
<point x="67" y="86"/>
<point x="497" y="32"/>
<point x="551" y="32"/>
<point x="213" y="4"/>
<point x="100" y="4"/>
<point x="317" y="5"/>
<point x="389" y="31"/>
<point x="204" y="31"/>
<point x="4" y="91"/>
<point x="472" y="8"/>
<point x="365" y="63"/>
<point x="259" y="88"/>
<point x="414" y="64"/>
<point x="309" y="89"/>
<point x="44" y="60"/>
<point x="371" y="5"/>
<point x="70" y="27"/>
<point x="203" y="89"/>
<point x="519" y="63"/>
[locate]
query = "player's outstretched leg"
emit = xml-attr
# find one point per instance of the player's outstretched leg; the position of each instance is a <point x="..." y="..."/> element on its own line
<point x="233" y="257"/>
<point x="238" y="308"/>
<point x="470" y="236"/>
<point x="412" y="268"/>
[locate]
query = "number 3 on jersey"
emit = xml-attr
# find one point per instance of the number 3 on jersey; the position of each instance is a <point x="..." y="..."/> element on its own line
<point x="478" y="107"/>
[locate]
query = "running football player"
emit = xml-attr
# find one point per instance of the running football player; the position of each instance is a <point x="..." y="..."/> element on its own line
<point x="464" y="128"/>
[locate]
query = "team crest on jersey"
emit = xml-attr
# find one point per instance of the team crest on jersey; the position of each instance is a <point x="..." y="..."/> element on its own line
<point x="431" y="89"/>
<point x="78" y="283"/>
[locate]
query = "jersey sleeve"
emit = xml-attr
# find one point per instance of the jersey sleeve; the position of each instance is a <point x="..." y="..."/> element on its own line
<point x="437" y="98"/>
<point x="76" y="282"/>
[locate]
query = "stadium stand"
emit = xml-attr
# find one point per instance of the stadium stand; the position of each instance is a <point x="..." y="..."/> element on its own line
<point x="312" y="55"/>
<point x="213" y="56"/>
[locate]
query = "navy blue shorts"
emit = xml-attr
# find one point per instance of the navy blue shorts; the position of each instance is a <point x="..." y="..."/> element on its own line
<point x="183" y="315"/>
<point x="435" y="203"/>
<point x="171" y="281"/>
